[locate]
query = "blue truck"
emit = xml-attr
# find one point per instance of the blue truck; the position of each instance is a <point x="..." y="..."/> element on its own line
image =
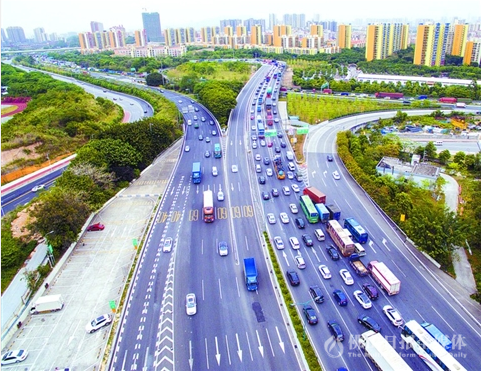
<point x="196" y="173"/>
<point x="334" y="212"/>
<point x="250" y="272"/>
<point x="323" y="212"/>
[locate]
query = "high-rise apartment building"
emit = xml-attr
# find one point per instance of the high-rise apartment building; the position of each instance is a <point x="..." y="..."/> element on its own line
<point x="272" y="21"/>
<point x="151" y="23"/>
<point x="280" y="31"/>
<point x="256" y="35"/>
<point x="4" y="37"/>
<point x="207" y="34"/>
<point x="140" y="38"/>
<point x="228" y="31"/>
<point x="117" y="37"/>
<point x="344" y="36"/>
<point x="170" y="37"/>
<point x="241" y="31"/>
<point x="249" y="23"/>
<point x="40" y="35"/>
<point x="384" y="39"/>
<point x="96" y="27"/>
<point x="230" y="22"/>
<point x="431" y="43"/>
<point x="316" y="30"/>
<point x="472" y="53"/>
<point x="295" y="20"/>
<point x="460" y="36"/>
<point x="16" y="34"/>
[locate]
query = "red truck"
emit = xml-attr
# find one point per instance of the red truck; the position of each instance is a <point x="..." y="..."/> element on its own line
<point x="389" y="95"/>
<point x="315" y="195"/>
<point x="327" y="91"/>
<point x="447" y="100"/>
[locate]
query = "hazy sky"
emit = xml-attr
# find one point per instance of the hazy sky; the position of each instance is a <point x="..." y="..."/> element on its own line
<point x="62" y="16"/>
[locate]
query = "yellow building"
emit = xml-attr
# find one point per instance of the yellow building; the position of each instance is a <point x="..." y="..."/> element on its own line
<point x="459" y="39"/>
<point x="256" y="35"/>
<point x="431" y="41"/>
<point x="344" y="36"/>
<point x="472" y="52"/>
<point x="279" y="31"/>
<point x="228" y="31"/>
<point x="241" y="31"/>
<point x="317" y="30"/>
<point x="382" y="40"/>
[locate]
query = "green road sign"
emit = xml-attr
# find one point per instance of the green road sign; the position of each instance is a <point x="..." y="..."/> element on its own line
<point x="112" y="304"/>
<point x="134" y="242"/>
<point x="270" y="133"/>
<point x="302" y="130"/>
<point x="49" y="249"/>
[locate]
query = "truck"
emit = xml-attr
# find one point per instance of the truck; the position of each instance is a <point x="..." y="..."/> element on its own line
<point x="384" y="277"/>
<point x="315" y="195"/>
<point x="250" y="272"/>
<point x="447" y="100"/>
<point x="323" y="212"/>
<point x="460" y="105"/>
<point x="208" y="208"/>
<point x="358" y="265"/>
<point x="334" y="212"/>
<point x="381" y="352"/>
<point x="389" y="95"/>
<point x="47" y="303"/>
<point x="196" y="173"/>
<point x="269" y="92"/>
<point x="421" y="97"/>
<point x="327" y="91"/>
<point x="278" y="168"/>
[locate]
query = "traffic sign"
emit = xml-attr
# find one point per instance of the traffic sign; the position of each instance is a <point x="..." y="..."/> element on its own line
<point x="303" y="130"/>
<point x="270" y="133"/>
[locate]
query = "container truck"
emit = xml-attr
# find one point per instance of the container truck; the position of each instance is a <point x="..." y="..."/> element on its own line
<point x="381" y="352"/>
<point x="384" y="277"/>
<point x="196" y="173"/>
<point x="460" y="105"/>
<point x="315" y="195"/>
<point x="208" y="208"/>
<point x="389" y="95"/>
<point x="47" y="303"/>
<point x="334" y="212"/>
<point x="447" y="100"/>
<point x="323" y="212"/>
<point x="250" y="272"/>
<point x="358" y="265"/>
<point x="421" y="97"/>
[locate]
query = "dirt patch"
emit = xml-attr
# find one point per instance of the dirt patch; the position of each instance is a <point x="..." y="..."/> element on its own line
<point x="19" y="225"/>
<point x="27" y="152"/>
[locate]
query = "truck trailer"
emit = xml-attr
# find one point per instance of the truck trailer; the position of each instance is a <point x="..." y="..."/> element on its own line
<point x="315" y="195"/>
<point x="447" y="100"/>
<point x="334" y="212"/>
<point x="196" y="173"/>
<point x="47" y="303"/>
<point x="389" y="95"/>
<point x="208" y="207"/>
<point x="358" y="265"/>
<point x="384" y="277"/>
<point x="250" y="272"/>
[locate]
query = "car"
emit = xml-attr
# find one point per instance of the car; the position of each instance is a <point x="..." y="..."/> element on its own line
<point x="270" y="144"/>
<point x="293" y="208"/>
<point x="196" y="109"/>
<point x="215" y="172"/>
<point x="254" y="145"/>
<point x="201" y="137"/>
<point x="190" y="304"/>
<point x="187" y="148"/>
<point x="202" y="119"/>
<point x="254" y="103"/>
<point x="330" y="158"/>
<point x="195" y="118"/>
<point x="362" y="299"/>
<point x="275" y="192"/>
<point x="207" y="153"/>
<point x="300" y="223"/>
<point x="258" y="157"/>
<point x="286" y="191"/>
<point x="279" y="243"/>
<point x="298" y="176"/>
<point x="331" y="250"/>
<point x="336" y="330"/>
<point x="223" y="248"/>
<point x="214" y="133"/>
<point x="267" y="160"/>
<point x="393" y="315"/>
<point x="252" y="117"/>
<point x="340" y="297"/>
<point x="276" y="120"/>
<point x="211" y="122"/>
<point x="295" y="188"/>
<point x="263" y="143"/>
<point x="253" y="128"/>
<point x="38" y="188"/>
<point x="262" y="179"/>
<point x="316" y="294"/>
<point x="336" y="175"/>
<point x="189" y="122"/>
<point x="95" y="227"/>
<point x="310" y="314"/>
<point x="271" y="218"/>
<point x="180" y="101"/>
<point x="98" y="323"/>
<point x="346" y="277"/>
<point x="277" y="150"/>
<point x="325" y="272"/>
<point x="14" y="356"/>
<point x="274" y="112"/>
<point x="207" y="139"/>
<point x="300" y="262"/>
<point x="283" y="144"/>
<point x="290" y="175"/>
<point x="220" y="196"/>
<point x="196" y="125"/>
<point x="284" y="218"/>
<point x="279" y="134"/>
<point x="369" y="323"/>
<point x="370" y="291"/>
<point x="307" y="239"/>
<point x="269" y="172"/>
<point x="167" y="247"/>
<point x="294" y="243"/>
<point x="293" y="278"/>
<point x="254" y="137"/>
<point x="234" y="168"/>
<point x="265" y="195"/>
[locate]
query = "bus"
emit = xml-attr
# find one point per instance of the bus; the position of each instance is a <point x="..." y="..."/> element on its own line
<point x="268" y="104"/>
<point x="428" y="349"/>
<point x="438" y="335"/>
<point x="259" y="101"/>
<point x="357" y="231"/>
<point x="260" y="129"/>
<point x="217" y="151"/>
<point x="309" y="209"/>
<point x="340" y="238"/>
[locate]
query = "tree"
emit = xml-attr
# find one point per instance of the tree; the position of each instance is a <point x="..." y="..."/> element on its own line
<point x="430" y="150"/>
<point x="459" y="158"/>
<point x="154" y="79"/>
<point x="444" y="156"/>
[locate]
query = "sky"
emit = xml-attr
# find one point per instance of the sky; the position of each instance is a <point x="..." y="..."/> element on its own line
<point x="63" y="16"/>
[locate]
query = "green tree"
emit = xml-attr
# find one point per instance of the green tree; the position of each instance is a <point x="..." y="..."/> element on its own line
<point x="430" y="150"/>
<point x="459" y="158"/>
<point x="154" y="79"/>
<point x="444" y="156"/>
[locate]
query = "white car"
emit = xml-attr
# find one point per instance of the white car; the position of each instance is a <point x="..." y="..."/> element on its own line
<point x="290" y="175"/>
<point x="284" y="218"/>
<point x="295" y="188"/>
<point x="263" y="143"/>
<point x="346" y="277"/>
<point x="14" y="356"/>
<point x="269" y="172"/>
<point x="271" y="218"/>
<point x="220" y="196"/>
<point x="325" y="272"/>
<point x="234" y="169"/>
<point x="167" y="245"/>
<point x="258" y="157"/>
<point x="279" y="243"/>
<point x="393" y="315"/>
<point x="99" y="322"/>
<point x="294" y="243"/>
<point x="276" y="120"/>
<point x="293" y="208"/>
<point x="254" y="145"/>
<point x="189" y="122"/>
<point x="300" y="262"/>
<point x="180" y="101"/>
<point x="286" y="191"/>
<point x="190" y="304"/>
<point x="362" y="299"/>
<point x="336" y="175"/>
<point x="38" y="188"/>
<point x="187" y="148"/>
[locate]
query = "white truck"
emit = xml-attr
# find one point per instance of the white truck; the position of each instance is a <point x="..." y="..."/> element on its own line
<point x="384" y="277"/>
<point x="381" y="353"/>
<point x="48" y="303"/>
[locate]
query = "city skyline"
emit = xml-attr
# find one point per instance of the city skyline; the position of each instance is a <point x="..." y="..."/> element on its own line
<point x="76" y="18"/>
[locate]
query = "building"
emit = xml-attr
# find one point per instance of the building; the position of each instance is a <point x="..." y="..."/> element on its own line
<point x="384" y="39"/>
<point x="249" y="23"/>
<point x="280" y="31"/>
<point x="431" y="44"/>
<point x="460" y="35"/>
<point x="241" y="31"/>
<point x="140" y="38"/>
<point x="256" y="35"/>
<point x="344" y="36"/>
<point x="96" y="27"/>
<point x="272" y="21"/>
<point x="40" y="35"/>
<point x="16" y="35"/>
<point x="472" y="53"/>
<point x="317" y="30"/>
<point x="150" y="51"/>
<point x="207" y="34"/>
<point x="230" y="22"/>
<point x="151" y="23"/>
<point x="4" y="37"/>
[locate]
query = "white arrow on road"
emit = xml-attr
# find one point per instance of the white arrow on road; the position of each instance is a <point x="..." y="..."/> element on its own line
<point x="285" y="257"/>
<point x="315" y="253"/>
<point x="324" y="172"/>
<point x="191" y="360"/>
<point x="217" y="354"/>
<point x="314" y="173"/>
<point x="232" y="187"/>
<point x="281" y="343"/>
<point x="261" y="348"/>
<point x="384" y="242"/>
<point x="197" y="189"/>
<point x="239" y="350"/>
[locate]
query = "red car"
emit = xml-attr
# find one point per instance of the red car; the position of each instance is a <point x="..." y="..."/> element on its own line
<point x="96" y="227"/>
<point x="269" y="144"/>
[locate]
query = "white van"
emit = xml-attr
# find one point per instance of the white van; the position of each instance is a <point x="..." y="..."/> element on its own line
<point x="289" y="156"/>
<point x="438" y="143"/>
<point x="291" y="166"/>
<point x="258" y="168"/>
<point x="359" y="250"/>
<point x="319" y="235"/>
<point x="214" y="171"/>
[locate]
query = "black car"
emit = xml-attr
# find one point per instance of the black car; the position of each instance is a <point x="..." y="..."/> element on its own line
<point x="277" y="150"/>
<point x="371" y="291"/>
<point x="336" y="330"/>
<point x="300" y="223"/>
<point x="316" y="294"/>
<point x="275" y="192"/>
<point x="368" y="322"/>
<point x="279" y="134"/>
<point x="283" y="144"/>
<point x="262" y="179"/>
<point x="331" y="250"/>
<point x="310" y="314"/>
<point x="293" y="278"/>
<point x="330" y="158"/>
<point x="266" y="196"/>
<point x="307" y="240"/>
<point x="267" y="160"/>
